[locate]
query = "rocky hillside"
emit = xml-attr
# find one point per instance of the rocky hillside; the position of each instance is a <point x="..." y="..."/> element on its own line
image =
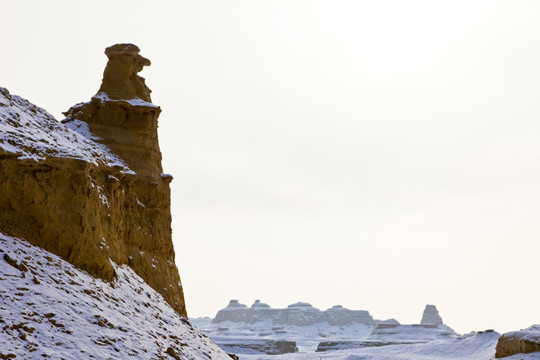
<point x="92" y="189"/>
<point x="50" y="309"/>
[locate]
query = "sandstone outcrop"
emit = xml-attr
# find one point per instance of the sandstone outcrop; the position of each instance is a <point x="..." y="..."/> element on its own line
<point x="297" y="314"/>
<point x="121" y="115"/>
<point x="431" y="316"/>
<point x="524" y="341"/>
<point x="91" y="189"/>
<point x="120" y="78"/>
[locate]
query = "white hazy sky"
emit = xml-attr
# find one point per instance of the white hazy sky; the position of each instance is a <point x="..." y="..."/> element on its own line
<point x="380" y="155"/>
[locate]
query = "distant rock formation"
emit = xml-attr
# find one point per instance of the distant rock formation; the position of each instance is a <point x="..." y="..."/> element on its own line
<point x="235" y="304"/>
<point x="297" y="314"/>
<point x="431" y="316"/>
<point x="399" y="333"/>
<point x="335" y="329"/>
<point x="91" y="189"/>
<point x="515" y="342"/>
<point x="338" y="315"/>
<point x="260" y="346"/>
<point x="259" y="304"/>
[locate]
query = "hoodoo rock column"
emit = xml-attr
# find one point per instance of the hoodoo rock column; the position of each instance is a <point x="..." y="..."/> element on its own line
<point x="122" y="117"/>
<point x="121" y="114"/>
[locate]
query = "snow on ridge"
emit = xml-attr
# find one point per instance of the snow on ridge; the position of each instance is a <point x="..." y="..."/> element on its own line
<point x="29" y="132"/>
<point x="50" y="309"/>
<point x="531" y="333"/>
<point x="105" y="98"/>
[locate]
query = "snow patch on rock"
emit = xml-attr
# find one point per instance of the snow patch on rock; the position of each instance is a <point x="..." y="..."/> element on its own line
<point x="29" y="132"/>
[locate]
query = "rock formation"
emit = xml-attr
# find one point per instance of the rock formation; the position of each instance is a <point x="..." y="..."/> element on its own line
<point x="120" y="79"/>
<point x="338" y="316"/>
<point x="121" y="115"/>
<point x="260" y="346"/>
<point x="91" y="189"/>
<point x="413" y="332"/>
<point x="524" y="341"/>
<point x="298" y="314"/>
<point x="431" y="316"/>
<point x="258" y="304"/>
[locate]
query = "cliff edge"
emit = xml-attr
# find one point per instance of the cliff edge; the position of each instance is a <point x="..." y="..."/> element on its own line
<point x="91" y="189"/>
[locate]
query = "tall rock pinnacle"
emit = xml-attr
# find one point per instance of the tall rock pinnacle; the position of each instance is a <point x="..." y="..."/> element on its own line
<point x="120" y="79"/>
<point x="121" y="114"/>
<point x="431" y="316"/>
<point x="122" y="117"/>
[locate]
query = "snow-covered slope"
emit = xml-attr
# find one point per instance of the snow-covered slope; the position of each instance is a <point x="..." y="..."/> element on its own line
<point x="28" y="131"/>
<point x="478" y="347"/>
<point x="387" y="341"/>
<point x="52" y="310"/>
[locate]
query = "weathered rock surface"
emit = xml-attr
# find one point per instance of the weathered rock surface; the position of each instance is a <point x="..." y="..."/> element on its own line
<point x="430" y="328"/>
<point x="352" y="344"/>
<point x="121" y="115"/>
<point x="431" y="316"/>
<point x="268" y="347"/>
<point x="298" y="314"/>
<point x="120" y="79"/>
<point x="91" y="189"/>
<point x="524" y="341"/>
<point x="399" y="333"/>
<point x="338" y="315"/>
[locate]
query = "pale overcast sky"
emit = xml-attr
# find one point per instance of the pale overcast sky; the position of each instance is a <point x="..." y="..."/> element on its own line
<point x="380" y="155"/>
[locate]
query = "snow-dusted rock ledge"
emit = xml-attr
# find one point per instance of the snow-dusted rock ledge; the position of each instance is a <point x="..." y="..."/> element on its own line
<point x="516" y="342"/>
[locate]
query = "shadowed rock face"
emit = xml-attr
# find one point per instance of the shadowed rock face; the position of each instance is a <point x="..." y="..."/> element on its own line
<point x="67" y="198"/>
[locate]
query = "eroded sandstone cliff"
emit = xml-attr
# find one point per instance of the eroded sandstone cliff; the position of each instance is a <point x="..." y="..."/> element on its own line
<point x="92" y="189"/>
<point x="515" y="342"/>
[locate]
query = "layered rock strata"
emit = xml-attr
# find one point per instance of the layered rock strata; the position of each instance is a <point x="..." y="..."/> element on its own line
<point x="92" y="189"/>
<point x="515" y="342"/>
<point x="260" y="346"/>
<point x="411" y="332"/>
<point x="298" y="314"/>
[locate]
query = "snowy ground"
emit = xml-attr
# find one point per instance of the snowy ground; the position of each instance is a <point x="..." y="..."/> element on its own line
<point x="51" y="310"/>
<point x="30" y="132"/>
<point x="471" y="347"/>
